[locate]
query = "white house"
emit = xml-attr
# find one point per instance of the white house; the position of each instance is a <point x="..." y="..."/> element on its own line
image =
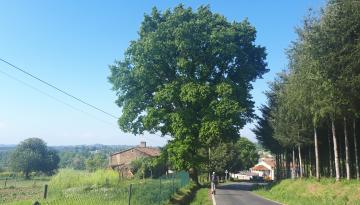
<point x="265" y="168"/>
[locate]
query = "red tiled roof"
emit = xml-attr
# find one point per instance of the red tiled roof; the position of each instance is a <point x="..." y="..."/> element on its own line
<point x="269" y="161"/>
<point x="153" y="152"/>
<point x="259" y="168"/>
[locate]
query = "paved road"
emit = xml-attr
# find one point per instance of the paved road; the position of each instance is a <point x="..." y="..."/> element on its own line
<point x="239" y="194"/>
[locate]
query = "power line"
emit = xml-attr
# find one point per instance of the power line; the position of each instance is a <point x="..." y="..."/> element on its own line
<point x="64" y="92"/>
<point x="69" y="105"/>
<point x="58" y="89"/>
<point x="54" y="98"/>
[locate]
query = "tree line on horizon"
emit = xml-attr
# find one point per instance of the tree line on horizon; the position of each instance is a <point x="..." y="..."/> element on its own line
<point x="311" y="120"/>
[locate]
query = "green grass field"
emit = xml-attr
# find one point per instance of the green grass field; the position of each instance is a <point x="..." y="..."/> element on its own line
<point x="100" y="187"/>
<point x="312" y="192"/>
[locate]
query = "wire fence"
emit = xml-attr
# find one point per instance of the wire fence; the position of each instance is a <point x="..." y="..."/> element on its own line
<point x="144" y="192"/>
<point x="130" y="192"/>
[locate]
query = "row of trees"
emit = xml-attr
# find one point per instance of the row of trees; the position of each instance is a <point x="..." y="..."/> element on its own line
<point x="313" y="108"/>
<point x="189" y="76"/>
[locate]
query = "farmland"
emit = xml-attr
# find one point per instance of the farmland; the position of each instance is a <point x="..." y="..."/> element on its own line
<point x="20" y="189"/>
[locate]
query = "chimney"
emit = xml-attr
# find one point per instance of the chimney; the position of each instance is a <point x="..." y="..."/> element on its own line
<point x="142" y="144"/>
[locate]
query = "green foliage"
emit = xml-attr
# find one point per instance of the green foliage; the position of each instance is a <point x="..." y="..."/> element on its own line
<point x="247" y="153"/>
<point x="188" y="75"/>
<point x="149" y="167"/>
<point x="232" y="156"/>
<point x="33" y="155"/>
<point x="96" y="161"/>
<point x="75" y="157"/>
<point x="4" y="158"/>
<point x="264" y="132"/>
<point x="223" y="157"/>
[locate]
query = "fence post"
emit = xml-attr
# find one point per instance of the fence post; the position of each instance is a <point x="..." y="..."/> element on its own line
<point x="5" y="181"/>
<point x="45" y="191"/>
<point x="130" y="188"/>
<point x="173" y="183"/>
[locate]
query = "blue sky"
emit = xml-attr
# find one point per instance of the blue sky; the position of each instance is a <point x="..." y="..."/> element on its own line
<point x="71" y="43"/>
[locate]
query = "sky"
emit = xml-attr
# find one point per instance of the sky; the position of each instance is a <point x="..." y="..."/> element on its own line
<point x="70" y="44"/>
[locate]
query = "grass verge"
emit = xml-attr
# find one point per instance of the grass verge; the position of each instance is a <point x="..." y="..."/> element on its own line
<point x="202" y="197"/>
<point x="184" y="195"/>
<point x="312" y="192"/>
<point x="193" y="195"/>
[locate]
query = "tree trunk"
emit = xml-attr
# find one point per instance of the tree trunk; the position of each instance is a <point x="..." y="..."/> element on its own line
<point x="286" y="165"/>
<point x="209" y="177"/>
<point x="194" y="176"/>
<point x="280" y="166"/>
<point x="330" y="157"/>
<point x="283" y="165"/>
<point x="277" y="166"/>
<point x="310" y="164"/>
<point x="293" y="164"/>
<point x="355" y="150"/>
<point x="346" y="150"/>
<point x="317" y="155"/>
<point x="300" y="162"/>
<point x="27" y="174"/>
<point x="336" y="154"/>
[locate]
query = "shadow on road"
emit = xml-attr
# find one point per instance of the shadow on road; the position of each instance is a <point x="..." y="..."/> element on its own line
<point x="243" y="186"/>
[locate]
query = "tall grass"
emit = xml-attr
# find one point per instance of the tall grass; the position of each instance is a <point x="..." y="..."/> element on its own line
<point x="67" y="178"/>
<point x="310" y="191"/>
<point x="104" y="187"/>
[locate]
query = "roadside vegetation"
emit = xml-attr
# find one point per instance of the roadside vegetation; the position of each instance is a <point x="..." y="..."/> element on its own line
<point x="313" y="192"/>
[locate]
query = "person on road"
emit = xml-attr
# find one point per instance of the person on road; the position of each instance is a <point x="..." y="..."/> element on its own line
<point x="213" y="183"/>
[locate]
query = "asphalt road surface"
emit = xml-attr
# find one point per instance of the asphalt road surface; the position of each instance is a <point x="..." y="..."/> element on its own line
<point x="239" y="194"/>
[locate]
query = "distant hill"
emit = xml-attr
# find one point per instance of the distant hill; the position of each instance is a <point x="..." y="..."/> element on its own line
<point x="5" y="148"/>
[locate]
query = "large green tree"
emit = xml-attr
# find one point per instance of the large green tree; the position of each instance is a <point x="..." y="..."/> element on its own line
<point x="32" y="155"/>
<point x="189" y="75"/>
<point x="248" y="154"/>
